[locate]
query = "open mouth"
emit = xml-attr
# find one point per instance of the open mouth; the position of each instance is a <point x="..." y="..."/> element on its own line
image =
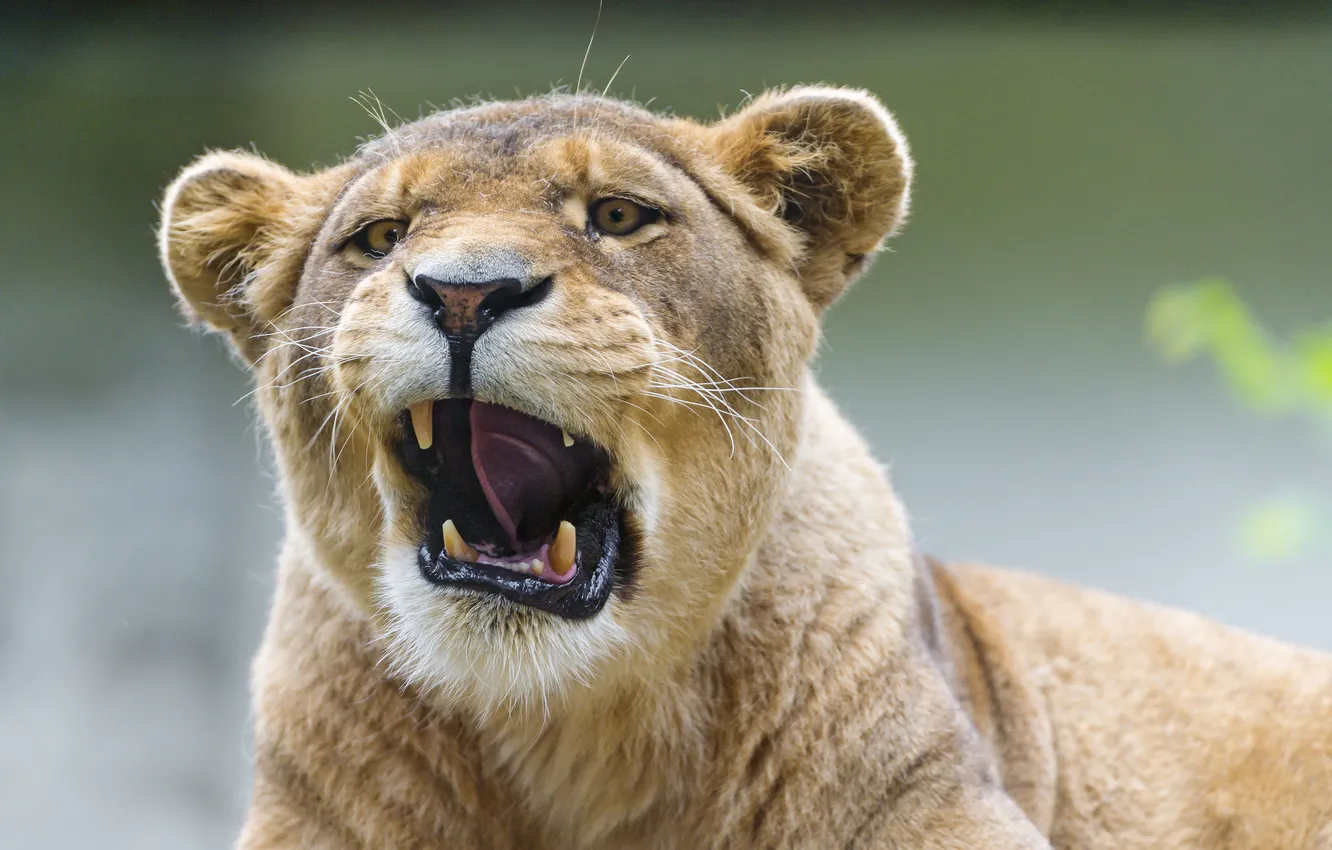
<point x="516" y="506"/>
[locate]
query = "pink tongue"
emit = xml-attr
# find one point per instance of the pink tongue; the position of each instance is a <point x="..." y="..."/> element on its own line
<point x="528" y="475"/>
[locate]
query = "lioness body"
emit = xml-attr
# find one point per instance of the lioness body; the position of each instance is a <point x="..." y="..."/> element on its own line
<point x="775" y="667"/>
<point x="1119" y="724"/>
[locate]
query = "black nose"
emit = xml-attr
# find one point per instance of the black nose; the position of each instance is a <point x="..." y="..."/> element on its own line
<point x="469" y="309"/>
<point x="464" y="311"/>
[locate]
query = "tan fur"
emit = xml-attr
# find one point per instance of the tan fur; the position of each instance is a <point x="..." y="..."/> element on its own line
<point x="782" y="671"/>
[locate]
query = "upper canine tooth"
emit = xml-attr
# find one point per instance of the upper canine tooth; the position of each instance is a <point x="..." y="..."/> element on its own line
<point x="563" y="550"/>
<point x="423" y="423"/>
<point x="568" y="441"/>
<point x="454" y="544"/>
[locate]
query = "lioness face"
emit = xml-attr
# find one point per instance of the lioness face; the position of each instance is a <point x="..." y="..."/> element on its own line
<point x="533" y="369"/>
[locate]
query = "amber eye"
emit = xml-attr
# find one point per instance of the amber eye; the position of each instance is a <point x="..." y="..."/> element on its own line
<point x="620" y="216"/>
<point x="378" y="238"/>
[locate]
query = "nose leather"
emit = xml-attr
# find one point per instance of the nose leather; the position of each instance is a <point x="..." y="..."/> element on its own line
<point x="467" y="309"/>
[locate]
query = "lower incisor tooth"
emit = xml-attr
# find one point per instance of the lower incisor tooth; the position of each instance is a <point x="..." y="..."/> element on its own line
<point x="537" y="567"/>
<point x="563" y="550"/>
<point x="455" y="546"/>
<point x="423" y="423"/>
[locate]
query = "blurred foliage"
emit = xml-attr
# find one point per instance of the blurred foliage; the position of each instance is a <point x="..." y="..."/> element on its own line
<point x="1282" y="528"/>
<point x="1267" y="375"/>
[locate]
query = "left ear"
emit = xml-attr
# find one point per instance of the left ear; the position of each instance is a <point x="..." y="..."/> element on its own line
<point x="831" y="162"/>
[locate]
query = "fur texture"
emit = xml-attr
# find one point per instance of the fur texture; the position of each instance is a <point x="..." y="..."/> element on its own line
<point x="781" y="670"/>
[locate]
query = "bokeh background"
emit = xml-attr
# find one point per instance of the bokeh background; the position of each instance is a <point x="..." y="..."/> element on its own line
<point x="1070" y="165"/>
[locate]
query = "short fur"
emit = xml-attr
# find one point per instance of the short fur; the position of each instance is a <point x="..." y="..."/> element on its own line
<point x="783" y="671"/>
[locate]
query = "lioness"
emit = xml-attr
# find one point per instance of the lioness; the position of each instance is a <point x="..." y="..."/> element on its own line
<point x="579" y="555"/>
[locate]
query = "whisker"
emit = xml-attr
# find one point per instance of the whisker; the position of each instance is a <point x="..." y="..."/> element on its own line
<point x="611" y="81"/>
<point x="691" y="405"/>
<point x="320" y="429"/>
<point x="713" y="392"/>
<point x="578" y="86"/>
<point x="646" y="412"/>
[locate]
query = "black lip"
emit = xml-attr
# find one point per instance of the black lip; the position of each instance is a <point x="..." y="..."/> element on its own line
<point x="606" y="551"/>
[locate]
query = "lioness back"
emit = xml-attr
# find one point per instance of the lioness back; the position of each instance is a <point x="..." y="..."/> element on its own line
<point x="1159" y="728"/>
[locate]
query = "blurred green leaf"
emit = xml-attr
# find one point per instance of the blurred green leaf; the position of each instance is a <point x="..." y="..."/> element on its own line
<point x="1208" y="317"/>
<point x="1280" y="529"/>
<point x="1314" y="350"/>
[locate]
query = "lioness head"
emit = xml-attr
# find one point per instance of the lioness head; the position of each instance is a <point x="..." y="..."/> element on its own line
<point x="533" y="370"/>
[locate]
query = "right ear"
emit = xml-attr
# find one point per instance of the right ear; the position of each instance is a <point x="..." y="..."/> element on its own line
<point x="234" y="234"/>
<point x="831" y="163"/>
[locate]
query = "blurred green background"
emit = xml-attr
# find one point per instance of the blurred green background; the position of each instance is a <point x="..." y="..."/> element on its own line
<point x="1070" y="166"/>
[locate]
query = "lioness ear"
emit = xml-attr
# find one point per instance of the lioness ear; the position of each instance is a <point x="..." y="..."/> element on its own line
<point x="225" y="220"/>
<point x="830" y="161"/>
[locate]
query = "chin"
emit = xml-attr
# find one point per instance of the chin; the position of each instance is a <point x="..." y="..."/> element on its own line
<point x="480" y="650"/>
<point x="512" y="548"/>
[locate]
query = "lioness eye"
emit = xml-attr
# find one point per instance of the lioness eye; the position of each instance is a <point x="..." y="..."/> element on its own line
<point x="620" y="217"/>
<point x="378" y="238"/>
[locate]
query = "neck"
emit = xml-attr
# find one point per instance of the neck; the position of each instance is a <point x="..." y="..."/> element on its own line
<point x="614" y="754"/>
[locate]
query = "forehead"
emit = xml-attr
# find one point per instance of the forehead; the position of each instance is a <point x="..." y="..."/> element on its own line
<point x="536" y="147"/>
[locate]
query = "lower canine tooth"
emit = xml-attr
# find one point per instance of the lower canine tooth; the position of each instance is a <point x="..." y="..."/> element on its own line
<point x="423" y="423"/>
<point x="454" y="544"/>
<point x="563" y="550"/>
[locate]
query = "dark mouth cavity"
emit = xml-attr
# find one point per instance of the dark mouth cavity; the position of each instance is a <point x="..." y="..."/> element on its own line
<point x="516" y="506"/>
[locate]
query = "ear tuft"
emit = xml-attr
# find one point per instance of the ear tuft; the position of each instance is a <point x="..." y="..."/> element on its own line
<point x="831" y="162"/>
<point x="223" y="218"/>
